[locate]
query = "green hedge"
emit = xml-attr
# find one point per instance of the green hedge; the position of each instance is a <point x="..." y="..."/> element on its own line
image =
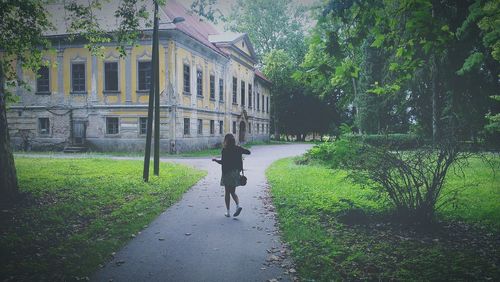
<point x="395" y="141"/>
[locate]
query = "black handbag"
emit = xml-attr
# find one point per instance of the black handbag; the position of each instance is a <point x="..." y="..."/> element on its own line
<point x="243" y="179"/>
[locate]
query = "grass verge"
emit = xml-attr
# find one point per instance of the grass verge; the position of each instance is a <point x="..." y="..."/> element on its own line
<point x="211" y="152"/>
<point x="340" y="231"/>
<point x="79" y="211"/>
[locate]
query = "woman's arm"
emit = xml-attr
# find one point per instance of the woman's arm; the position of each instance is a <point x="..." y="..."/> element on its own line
<point x="217" y="161"/>
<point x="244" y="151"/>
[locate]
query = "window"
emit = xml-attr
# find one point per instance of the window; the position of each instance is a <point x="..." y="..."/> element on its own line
<point x="43" y="126"/>
<point x="242" y="93"/>
<point x="257" y="129"/>
<point x="187" y="79"/>
<point x="221" y="90"/>
<point x="212" y="127"/>
<point x="235" y="90"/>
<point x="250" y="128"/>
<point x="221" y="127"/>
<point x="258" y="101"/>
<point x="200" y="127"/>
<point x="112" y="125"/>
<point x="111" y="76"/>
<point x="187" y="128"/>
<point x="267" y="128"/>
<point x="78" y="77"/>
<point x="250" y="95"/>
<point x="144" y="73"/>
<point x="212" y="87"/>
<point x="234" y="127"/>
<point x="263" y="103"/>
<point x="267" y="104"/>
<point x="42" y="80"/>
<point x="199" y="83"/>
<point x="143" y="125"/>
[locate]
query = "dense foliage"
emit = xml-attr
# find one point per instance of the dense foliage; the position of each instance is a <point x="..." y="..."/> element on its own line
<point x="423" y="66"/>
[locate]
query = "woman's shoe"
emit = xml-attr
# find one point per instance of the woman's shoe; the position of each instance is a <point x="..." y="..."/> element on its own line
<point x="238" y="210"/>
<point x="227" y="214"/>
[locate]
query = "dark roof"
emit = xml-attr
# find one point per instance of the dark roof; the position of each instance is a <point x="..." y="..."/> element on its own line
<point x="193" y="26"/>
<point x="261" y="76"/>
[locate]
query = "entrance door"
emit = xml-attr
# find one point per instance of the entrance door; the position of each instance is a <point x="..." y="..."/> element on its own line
<point x="242" y="131"/>
<point x="79" y="132"/>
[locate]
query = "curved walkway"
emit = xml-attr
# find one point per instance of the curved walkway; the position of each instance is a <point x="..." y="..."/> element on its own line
<point x="194" y="241"/>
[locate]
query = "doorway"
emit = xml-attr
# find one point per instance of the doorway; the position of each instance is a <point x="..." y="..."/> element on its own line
<point x="242" y="131"/>
<point x="79" y="129"/>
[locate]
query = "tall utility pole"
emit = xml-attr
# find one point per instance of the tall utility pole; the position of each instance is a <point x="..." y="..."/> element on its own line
<point x="154" y="103"/>
<point x="156" y="71"/>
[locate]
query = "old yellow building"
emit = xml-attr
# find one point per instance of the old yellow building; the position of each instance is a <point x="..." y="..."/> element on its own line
<point x="209" y="83"/>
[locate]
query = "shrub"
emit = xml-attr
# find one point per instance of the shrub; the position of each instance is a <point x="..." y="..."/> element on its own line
<point x="393" y="141"/>
<point x="411" y="180"/>
<point x="332" y="154"/>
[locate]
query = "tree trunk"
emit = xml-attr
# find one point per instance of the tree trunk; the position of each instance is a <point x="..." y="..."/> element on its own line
<point x="8" y="178"/>
<point x="434" y="89"/>
<point x="356" y="102"/>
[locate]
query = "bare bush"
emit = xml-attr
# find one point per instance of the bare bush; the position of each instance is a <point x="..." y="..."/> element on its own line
<point x="413" y="180"/>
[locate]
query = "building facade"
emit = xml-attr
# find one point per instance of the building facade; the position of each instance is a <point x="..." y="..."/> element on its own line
<point x="208" y="80"/>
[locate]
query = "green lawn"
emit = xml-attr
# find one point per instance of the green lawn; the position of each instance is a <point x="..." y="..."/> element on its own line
<point x="79" y="212"/>
<point x="339" y="231"/>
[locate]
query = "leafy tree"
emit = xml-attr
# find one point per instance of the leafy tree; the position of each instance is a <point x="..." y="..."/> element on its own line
<point x="207" y="10"/>
<point x="271" y="25"/>
<point x="295" y="111"/>
<point x="23" y="25"/>
<point x="427" y="59"/>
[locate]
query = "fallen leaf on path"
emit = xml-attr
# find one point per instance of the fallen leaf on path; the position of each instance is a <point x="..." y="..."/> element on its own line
<point x="120" y="262"/>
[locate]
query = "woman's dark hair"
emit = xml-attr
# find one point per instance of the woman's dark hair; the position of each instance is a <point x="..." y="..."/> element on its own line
<point x="229" y="141"/>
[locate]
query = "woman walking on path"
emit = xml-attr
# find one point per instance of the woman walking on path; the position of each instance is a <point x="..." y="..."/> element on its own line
<point x="232" y="164"/>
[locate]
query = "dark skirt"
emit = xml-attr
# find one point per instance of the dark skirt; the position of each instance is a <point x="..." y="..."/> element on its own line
<point x="230" y="178"/>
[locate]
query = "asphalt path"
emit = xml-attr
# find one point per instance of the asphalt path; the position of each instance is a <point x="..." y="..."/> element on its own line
<point x="194" y="241"/>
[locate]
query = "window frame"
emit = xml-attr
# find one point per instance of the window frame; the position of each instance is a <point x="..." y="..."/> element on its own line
<point x="221" y="90"/>
<point x="105" y="80"/>
<point x="186" y="83"/>
<point x="200" y="127"/>
<point x="250" y="95"/>
<point x="43" y="92"/>
<point x="138" y="75"/>
<point x="117" y="125"/>
<point x="258" y="101"/>
<point x="242" y="93"/>
<point x="212" y="127"/>
<point x="187" y="126"/>
<point x="140" y="125"/>
<point x="199" y="83"/>
<point x="40" y="123"/>
<point x="73" y="91"/>
<point x="212" y="87"/>
<point x="235" y="90"/>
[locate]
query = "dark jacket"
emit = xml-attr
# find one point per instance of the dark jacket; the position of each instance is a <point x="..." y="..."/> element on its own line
<point x="231" y="158"/>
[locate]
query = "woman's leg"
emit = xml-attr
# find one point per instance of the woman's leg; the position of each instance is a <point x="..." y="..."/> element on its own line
<point x="237" y="201"/>
<point x="235" y="197"/>
<point x="227" y="197"/>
